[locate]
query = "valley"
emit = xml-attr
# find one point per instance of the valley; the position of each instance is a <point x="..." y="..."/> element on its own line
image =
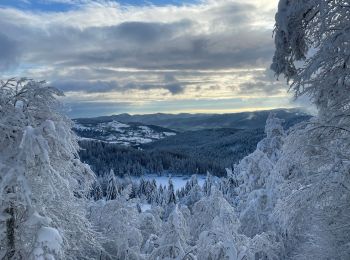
<point x="133" y="148"/>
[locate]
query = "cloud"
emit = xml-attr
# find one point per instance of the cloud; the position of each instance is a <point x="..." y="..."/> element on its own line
<point x="258" y="87"/>
<point x="9" y="53"/>
<point x="103" y="50"/>
<point x="168" y="83"/>
<point x="86" y="86"/>
<point x="262" y="83"/>
<point x="145" y="32"/>
<point x="172" y="84"/>
<point x="210" y="36"/>
<point x="81" y="108"/>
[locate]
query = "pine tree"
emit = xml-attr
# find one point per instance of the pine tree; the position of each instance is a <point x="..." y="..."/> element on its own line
<point x="96" y="191"/>
<point x="171" y="193"/>
<point x="112" y="189"/>
<point x="161" y="195"/>
<point x="207" y="184"/>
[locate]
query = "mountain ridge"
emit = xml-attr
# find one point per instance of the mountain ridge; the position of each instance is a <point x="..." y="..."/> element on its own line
<point x="188" y="121"/>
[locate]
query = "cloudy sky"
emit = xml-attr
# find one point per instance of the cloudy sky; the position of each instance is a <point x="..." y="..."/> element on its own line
<point x="140" y="56"/>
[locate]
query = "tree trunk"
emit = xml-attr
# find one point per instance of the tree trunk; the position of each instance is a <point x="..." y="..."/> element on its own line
<point x="10" y="232"/>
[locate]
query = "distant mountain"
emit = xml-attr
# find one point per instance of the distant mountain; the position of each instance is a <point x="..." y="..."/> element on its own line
<point x="139" y="144"/>
<point x="131" y="134"/>
<point x="186" y="122"/>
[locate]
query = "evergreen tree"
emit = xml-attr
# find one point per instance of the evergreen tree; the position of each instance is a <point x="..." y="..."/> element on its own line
<point x="208" y="183"/>
<point x="96" y="191"/>
<point x="171" y="193"/>
<point x="112" y="189"/>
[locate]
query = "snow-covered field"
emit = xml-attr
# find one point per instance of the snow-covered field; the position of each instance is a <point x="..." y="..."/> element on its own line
<point x="178" y="181"/>
<point x="120" y="133"/>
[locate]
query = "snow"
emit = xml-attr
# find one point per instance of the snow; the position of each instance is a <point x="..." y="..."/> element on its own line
<point x="290" y="196"/>
<point x="251" y="116"/>
<point x="81" y="127"/>
<point x="48" y="240"/>
<point x="110" y="138"/>
<point x="145" y="207"/>
<point x="36" y="218"/>
<point x="178" y="181"/>
<point x="116" y="126"/>
<point x="136" y="139"/>
<point x="169" y="133"/>
<point x="86" y="139"/>
<point x="120" y="133"/>
<point x="145" y="129"/>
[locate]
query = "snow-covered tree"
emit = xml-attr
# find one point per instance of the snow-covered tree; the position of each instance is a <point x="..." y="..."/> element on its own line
<point x="312" y="187"/>
<point x="312" y="51"/>
<point x="206" y="209"/>
<point x="208" y="183"/>
<point x="254" y="197"/>
<point x="43" y="185"/>
<point x="173" y="241"/>
<point x="160" y="195"/>
<point x="96" y="191"/>
<point x="153" y="192"/>
<point x="150" y="224"/>
<point x="216" y="224"/>
<point x="112" y="188"/>
<point x="228" y="186"/>
<point x="171" y="198"/>
<point x="272" y="144"/>
<point x="118" y="221"/>
<point x="190" y="193"/>
<point x="252" y="172"/>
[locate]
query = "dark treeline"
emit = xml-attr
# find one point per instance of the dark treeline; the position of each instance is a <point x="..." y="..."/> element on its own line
<point x="190" y="122"/>
<point x="193" y="152"/>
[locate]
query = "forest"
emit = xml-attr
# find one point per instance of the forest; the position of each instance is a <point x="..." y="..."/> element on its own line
<point x="193" y="152"/>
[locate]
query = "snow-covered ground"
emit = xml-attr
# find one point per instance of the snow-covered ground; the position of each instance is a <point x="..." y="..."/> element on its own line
<point x="178" y="181"/>
<point x="120" y="133"/>
<point x="145" y="206"/>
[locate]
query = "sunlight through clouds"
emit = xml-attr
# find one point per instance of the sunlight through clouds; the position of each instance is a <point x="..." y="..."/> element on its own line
<point x="110" y="51"/>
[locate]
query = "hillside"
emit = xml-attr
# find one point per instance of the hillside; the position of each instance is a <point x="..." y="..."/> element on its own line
<point x="139" y="148"/>
<point x="192" y="152"/>
<point x="131" y="134"/>
<point x="190" y="122"/>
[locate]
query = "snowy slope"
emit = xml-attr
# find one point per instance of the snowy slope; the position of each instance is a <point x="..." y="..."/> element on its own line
<point x="132" y="134"/>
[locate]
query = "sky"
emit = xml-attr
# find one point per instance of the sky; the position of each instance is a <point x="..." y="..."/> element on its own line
<point x="135" y="56"/>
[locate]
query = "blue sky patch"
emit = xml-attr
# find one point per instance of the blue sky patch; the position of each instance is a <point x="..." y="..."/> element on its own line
<point x="66" y="5"/>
